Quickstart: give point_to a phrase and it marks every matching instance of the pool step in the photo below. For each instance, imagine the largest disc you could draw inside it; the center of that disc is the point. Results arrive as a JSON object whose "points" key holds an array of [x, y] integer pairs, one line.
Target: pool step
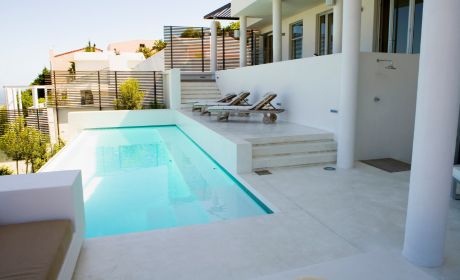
{"points": [[299, 150]]}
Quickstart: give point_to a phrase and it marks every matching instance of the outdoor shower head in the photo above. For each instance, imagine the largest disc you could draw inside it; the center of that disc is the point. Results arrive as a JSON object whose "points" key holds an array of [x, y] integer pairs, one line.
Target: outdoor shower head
{"points": [[391, 67]]}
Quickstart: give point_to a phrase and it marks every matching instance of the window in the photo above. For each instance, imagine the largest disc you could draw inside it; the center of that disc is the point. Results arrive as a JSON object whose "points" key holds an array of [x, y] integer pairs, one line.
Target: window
{"points": [[400, 26], [268, 47], [296, 40], [86, 97], [324, 31]]}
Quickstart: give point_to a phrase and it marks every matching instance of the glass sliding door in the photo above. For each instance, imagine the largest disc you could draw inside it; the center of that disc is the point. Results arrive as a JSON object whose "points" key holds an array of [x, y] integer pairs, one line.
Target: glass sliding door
{"points": [[417, 27], [324, 44], [268, 47], [400, 26]]}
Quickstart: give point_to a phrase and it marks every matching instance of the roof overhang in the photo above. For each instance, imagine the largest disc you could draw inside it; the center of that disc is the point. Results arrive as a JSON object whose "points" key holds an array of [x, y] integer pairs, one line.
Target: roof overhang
{"points": [[261, 10], [223, 13]]}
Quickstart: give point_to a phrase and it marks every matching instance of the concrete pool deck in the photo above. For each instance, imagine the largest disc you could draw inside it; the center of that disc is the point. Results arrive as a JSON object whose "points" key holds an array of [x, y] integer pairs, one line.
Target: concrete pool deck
{"points": [[252, 128], [330, 225]]}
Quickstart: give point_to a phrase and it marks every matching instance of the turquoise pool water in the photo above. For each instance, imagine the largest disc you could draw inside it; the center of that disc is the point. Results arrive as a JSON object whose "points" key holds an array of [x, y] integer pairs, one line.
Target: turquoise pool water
{"points": [[139, 179]]}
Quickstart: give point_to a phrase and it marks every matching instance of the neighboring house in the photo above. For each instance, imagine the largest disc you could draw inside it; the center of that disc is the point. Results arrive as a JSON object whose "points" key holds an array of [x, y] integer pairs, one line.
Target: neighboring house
{"points": [[129, 46], [95, 61], [61, 62]]}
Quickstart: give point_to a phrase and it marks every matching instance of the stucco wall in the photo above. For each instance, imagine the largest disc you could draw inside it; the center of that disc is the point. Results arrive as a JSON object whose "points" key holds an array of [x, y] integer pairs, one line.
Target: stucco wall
{"points": [[153, 63], [385, 128], [309, 88]]}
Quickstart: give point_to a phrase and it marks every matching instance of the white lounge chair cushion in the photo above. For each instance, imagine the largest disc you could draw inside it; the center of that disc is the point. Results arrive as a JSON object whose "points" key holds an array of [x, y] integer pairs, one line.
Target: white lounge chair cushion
{"points": [[211, 103], [233, 108]]}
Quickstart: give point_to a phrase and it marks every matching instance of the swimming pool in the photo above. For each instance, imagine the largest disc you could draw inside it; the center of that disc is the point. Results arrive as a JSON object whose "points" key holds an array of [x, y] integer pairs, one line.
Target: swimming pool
{"points": [[145, 178]]}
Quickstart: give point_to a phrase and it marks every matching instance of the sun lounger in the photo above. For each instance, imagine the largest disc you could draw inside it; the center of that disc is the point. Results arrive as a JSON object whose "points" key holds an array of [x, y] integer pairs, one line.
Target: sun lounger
{"points": [[197, 105], [264, 107], [240, 100]]}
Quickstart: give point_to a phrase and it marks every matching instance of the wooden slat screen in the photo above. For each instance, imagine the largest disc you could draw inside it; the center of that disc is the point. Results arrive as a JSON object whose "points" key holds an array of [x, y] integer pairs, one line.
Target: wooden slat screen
{"points": [[100, 89], [188, 48]]}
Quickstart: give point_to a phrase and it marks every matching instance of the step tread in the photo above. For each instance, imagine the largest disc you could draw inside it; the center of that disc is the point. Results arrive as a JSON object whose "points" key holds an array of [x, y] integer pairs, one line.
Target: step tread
{"points": [[291, 138], [294, 148], [296, 155], [294, 160]]}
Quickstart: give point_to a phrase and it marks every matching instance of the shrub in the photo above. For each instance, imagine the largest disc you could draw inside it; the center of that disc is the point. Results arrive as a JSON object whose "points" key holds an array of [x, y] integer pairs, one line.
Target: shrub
{"points": [[156, 105], [5, 170], [39, 162], [191, 33], [131, 97]]}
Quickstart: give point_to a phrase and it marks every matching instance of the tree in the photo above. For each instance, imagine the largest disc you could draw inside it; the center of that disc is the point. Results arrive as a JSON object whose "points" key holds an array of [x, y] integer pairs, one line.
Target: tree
{"points": [[71, 69], [90, 48], [233, 26], [36, 148], [26, 99], [131, 97], [14, 141], [3, 119], [42, 78], [146, 51], [157, 46]]}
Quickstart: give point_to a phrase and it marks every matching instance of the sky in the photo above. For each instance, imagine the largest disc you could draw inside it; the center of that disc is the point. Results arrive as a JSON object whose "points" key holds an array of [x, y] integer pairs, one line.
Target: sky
{"points": [[30, 28]]}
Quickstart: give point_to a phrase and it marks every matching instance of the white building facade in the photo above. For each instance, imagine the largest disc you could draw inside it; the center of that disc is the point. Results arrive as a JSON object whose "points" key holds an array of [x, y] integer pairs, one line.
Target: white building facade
{"points": [[369, 71]]}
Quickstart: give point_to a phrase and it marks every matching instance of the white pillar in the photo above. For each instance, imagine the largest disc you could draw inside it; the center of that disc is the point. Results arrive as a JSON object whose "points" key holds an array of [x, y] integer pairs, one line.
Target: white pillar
{"points": [[337, 28], [243, 41], [438, 101], [10, 99], [213, 46], [349, 83], [277, 31], [19, 98], [35, 97]]}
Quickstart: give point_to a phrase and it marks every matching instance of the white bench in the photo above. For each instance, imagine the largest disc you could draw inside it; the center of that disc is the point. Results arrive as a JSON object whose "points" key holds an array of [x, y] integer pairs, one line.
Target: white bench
{"points": [[44, 197], [456, 181]]}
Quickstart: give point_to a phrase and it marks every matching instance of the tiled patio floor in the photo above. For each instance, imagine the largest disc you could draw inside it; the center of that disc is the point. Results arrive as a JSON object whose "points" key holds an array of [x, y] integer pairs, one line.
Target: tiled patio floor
{"points": [[324, 217]]}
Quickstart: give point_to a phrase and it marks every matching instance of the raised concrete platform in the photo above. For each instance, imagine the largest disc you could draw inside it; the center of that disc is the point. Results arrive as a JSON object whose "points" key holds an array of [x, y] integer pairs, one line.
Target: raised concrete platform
{"points": [[274, 145]]}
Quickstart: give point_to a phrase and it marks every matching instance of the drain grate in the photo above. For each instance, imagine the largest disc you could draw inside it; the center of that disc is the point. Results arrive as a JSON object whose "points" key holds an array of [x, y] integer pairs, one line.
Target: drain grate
{"points": [[329, 168], [262, 172]]}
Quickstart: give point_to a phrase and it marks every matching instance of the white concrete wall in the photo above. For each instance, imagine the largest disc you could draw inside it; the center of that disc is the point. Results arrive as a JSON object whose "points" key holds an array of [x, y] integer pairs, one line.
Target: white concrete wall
{"points": [[172, 88], [234, 156], [46, 196], [122, 118], [309, 88], [95, 61], [153, 63], [385, 128], [309, 18]]}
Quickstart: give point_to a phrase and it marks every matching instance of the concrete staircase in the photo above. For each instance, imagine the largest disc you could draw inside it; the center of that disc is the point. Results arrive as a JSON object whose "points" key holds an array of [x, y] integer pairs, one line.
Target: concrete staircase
{"points": [[293, 150], [199, 90]]}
